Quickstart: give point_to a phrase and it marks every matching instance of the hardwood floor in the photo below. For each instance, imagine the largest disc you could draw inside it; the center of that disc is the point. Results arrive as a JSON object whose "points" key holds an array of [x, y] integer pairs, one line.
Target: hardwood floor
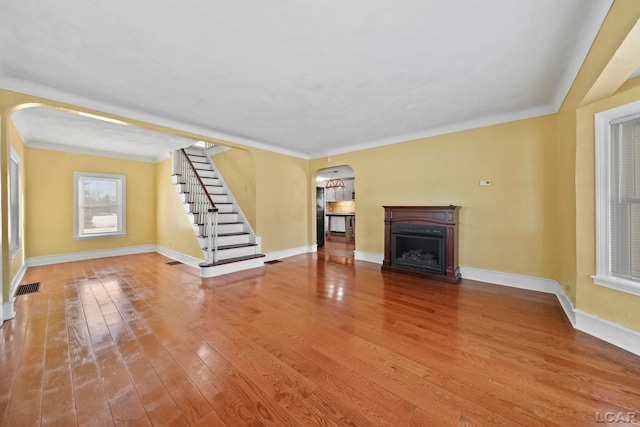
{"points": [[318, 339]]}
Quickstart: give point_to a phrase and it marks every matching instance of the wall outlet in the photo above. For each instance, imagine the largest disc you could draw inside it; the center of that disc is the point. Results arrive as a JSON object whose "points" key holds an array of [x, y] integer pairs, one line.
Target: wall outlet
{"points": [[485, 183]]}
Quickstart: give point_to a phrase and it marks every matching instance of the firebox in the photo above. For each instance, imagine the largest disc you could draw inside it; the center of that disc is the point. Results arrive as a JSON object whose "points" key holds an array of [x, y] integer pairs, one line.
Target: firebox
{"points": [[422, 241], [418, 247]]}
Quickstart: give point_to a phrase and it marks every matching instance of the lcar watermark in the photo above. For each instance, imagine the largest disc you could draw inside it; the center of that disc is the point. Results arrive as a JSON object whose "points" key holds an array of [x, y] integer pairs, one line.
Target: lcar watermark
{"points": [[618, 417]]}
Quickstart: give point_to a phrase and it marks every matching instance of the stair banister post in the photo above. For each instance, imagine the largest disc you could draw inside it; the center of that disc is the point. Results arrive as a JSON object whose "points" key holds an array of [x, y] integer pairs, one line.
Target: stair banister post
{"points": [[212, 235], [209, 231]]}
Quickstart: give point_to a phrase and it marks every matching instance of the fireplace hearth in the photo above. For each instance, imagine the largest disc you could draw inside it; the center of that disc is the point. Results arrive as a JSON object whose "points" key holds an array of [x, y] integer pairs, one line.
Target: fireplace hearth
{"points": [[422, 241]]}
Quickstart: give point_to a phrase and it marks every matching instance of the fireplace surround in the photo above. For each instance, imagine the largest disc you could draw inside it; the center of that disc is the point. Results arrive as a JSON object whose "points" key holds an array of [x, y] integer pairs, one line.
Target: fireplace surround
{"points": [[422, 241]]}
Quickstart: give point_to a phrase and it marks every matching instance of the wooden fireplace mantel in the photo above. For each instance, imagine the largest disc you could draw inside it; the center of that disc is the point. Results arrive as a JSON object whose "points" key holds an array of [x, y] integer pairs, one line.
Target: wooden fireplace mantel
{"points": [[444, 216]]}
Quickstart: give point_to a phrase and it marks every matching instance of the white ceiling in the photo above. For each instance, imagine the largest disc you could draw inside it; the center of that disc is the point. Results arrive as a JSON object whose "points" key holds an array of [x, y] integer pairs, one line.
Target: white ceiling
{"points": [[55, 129], [303, 78]]}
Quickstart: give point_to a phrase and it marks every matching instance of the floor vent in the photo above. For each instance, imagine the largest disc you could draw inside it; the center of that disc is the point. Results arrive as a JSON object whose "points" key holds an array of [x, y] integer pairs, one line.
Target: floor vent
{"points": [[29, 288], [275, 261], [174, 263]]}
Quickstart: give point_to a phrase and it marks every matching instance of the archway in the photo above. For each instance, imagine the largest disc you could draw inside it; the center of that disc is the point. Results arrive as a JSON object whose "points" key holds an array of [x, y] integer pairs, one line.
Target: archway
{"points": [[335, 210]]}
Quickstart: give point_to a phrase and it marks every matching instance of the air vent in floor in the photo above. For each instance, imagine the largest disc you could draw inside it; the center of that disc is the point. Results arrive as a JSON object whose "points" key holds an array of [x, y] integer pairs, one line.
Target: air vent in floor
{"points": [[174, 263], [275, 261], [29, 288]]}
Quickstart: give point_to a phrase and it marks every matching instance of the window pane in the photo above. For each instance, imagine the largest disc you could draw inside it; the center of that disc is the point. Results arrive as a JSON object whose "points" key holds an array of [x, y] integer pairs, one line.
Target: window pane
{"points": [[100, 204], [625, 200]]}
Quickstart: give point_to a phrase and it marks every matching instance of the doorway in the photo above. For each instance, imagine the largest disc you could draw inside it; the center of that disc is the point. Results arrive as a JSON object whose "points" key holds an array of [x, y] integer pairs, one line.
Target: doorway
{"points": [[336, 211]]}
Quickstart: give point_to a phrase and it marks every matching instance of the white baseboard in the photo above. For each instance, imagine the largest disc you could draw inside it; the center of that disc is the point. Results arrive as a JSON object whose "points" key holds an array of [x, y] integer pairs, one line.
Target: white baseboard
{"points": [[368, 256], [81, 256], [286, 253], [8, 311], [178, 256], [531, 283], [567, 305], [16, 280], [610, 332], [605, 330]]}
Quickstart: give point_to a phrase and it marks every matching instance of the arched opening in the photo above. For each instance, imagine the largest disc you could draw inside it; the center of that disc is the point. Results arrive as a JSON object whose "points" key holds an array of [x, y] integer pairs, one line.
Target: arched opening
{"points": [[336, 211]]}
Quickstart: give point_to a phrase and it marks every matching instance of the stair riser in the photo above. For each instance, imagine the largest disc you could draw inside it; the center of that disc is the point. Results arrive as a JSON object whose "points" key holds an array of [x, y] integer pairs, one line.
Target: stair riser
{"points": [[222, 217], [230, 228], [226, 240], [211, 181], [223, 199], [216, 190], [236, 252], [199, 230], [227, 217], [225, 209], [207, 173], [233, 240], [203, 240], [219, 198], [231, 268]]}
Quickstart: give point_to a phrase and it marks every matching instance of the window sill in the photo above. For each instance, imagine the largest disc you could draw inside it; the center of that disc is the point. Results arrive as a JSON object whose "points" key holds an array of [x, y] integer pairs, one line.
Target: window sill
{"points": [[99, 236], [618, 284]]}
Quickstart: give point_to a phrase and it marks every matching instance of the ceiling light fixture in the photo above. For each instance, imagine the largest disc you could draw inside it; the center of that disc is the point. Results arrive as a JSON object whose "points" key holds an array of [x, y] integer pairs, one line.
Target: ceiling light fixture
{"points": [[335, 183]]}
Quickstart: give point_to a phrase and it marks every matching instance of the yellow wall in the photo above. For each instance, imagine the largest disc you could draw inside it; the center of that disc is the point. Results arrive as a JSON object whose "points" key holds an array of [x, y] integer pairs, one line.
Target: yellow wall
{"points": [[174, 230], [565, 202], [282, 196], [49, 197], [238, 171], [506, 227], [600, 85], [618, 307]]}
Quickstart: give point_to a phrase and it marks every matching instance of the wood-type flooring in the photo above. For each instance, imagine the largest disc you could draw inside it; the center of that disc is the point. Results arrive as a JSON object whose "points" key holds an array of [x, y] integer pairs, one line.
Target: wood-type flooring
{"points": [[317, 339]]}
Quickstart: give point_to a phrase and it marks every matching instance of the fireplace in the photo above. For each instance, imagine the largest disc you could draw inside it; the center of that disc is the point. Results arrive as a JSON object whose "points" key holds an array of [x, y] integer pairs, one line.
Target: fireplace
{"points": [[422, 241], [419, 248]]}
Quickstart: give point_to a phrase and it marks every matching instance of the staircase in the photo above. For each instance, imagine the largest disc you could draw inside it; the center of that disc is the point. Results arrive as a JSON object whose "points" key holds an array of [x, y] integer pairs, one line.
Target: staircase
{"points": [[228, 243]]}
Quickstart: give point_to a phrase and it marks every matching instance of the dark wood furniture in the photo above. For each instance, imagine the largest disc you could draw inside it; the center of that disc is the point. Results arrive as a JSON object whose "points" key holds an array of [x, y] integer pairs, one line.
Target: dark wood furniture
{"points": [[421, 216]]}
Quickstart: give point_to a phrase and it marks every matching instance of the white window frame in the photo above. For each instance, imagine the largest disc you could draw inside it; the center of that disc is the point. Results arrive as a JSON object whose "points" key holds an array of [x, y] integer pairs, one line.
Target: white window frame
{"points": [[603, 122], [15, 211], [121, 182]]}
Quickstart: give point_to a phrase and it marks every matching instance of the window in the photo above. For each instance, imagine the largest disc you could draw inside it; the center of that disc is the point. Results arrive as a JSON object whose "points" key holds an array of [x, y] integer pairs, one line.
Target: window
{"points": [[99, 205], [15, 236], [618, 198]]}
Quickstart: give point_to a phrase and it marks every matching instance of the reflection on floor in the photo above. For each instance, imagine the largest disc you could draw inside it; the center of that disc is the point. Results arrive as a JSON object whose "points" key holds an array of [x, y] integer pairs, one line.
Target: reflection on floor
{"points": [[337, 246]]}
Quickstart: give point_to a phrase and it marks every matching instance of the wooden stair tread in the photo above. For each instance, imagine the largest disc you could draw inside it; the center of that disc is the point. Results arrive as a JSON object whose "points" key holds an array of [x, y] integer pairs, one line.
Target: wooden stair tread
{"points": [[231, 260]]}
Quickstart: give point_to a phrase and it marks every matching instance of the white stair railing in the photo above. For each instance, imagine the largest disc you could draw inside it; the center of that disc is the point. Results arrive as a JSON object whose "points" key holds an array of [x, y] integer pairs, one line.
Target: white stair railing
{"points": [[203, 208]]}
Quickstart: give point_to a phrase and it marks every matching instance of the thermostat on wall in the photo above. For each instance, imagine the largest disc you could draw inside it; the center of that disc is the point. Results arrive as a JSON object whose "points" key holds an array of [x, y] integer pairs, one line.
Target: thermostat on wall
{"points": [[485, 183]]}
